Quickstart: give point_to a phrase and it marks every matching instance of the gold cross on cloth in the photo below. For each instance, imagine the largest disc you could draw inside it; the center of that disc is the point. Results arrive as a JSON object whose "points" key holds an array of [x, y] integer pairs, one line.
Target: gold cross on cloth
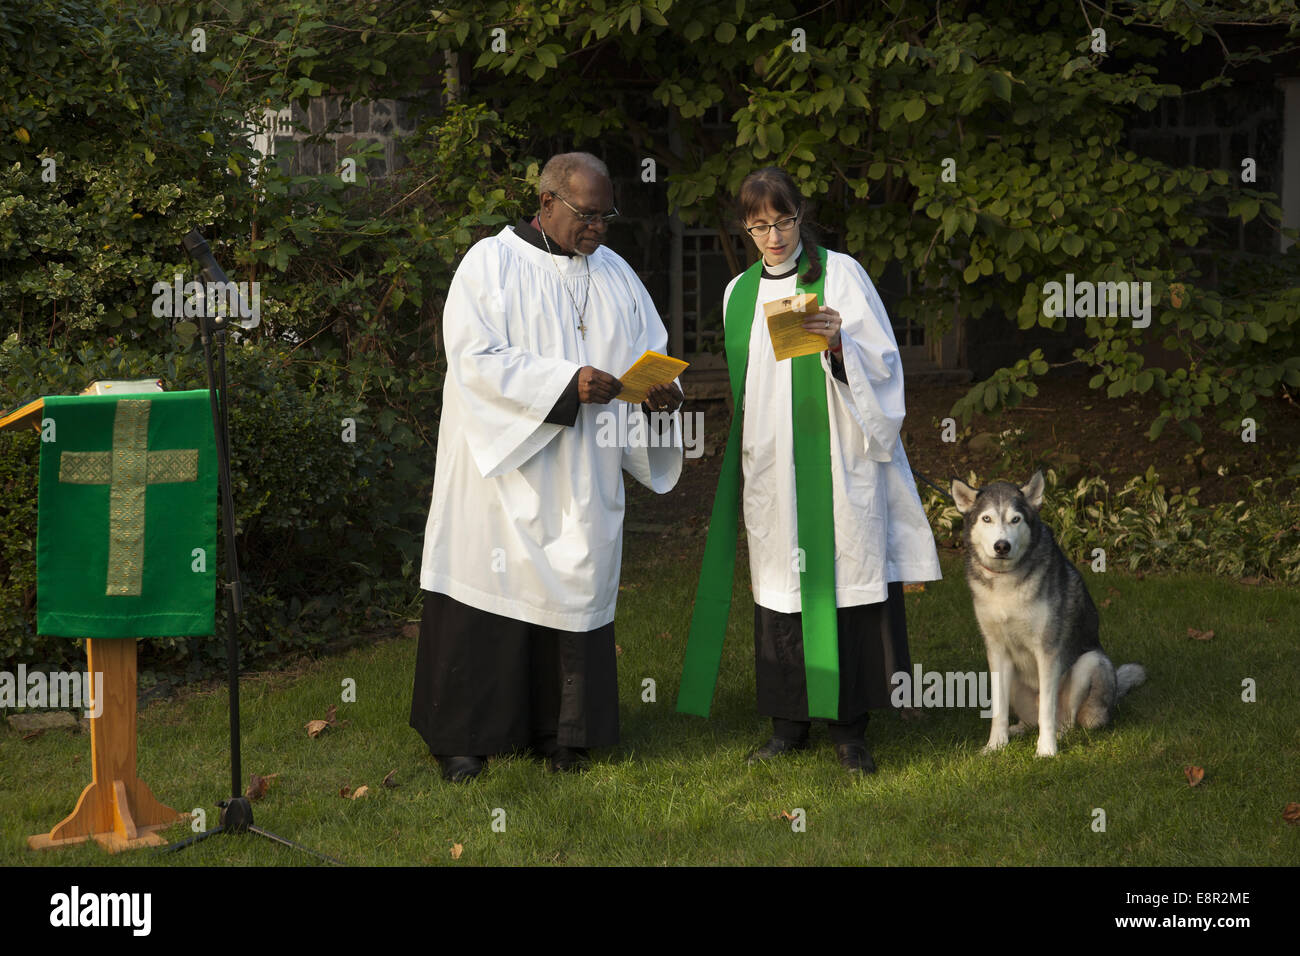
{"points": [[128, 470]]}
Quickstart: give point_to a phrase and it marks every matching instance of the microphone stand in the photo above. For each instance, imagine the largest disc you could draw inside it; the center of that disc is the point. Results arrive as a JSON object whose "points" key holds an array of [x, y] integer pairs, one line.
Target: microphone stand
{"points": [[237, 812]]}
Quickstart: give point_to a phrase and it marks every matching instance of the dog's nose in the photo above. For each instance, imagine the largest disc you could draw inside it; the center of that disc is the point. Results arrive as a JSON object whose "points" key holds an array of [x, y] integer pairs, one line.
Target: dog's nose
{"points": [[1002, 548]]}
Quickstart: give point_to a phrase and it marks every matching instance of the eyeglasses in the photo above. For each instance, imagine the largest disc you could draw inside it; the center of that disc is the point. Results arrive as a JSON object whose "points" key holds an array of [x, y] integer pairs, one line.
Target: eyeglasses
{"points": [[589, 219], [784, 225]]}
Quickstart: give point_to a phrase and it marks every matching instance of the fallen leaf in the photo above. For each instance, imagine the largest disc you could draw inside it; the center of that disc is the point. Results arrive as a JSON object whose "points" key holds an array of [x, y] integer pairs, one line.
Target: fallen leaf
{"points": [[618, 650], [456, 851], [1105, 603], [1199, 635], [1194, 775], [257, 785], [910, 588], [1176, 294], [664, 636], [34, 734], [389, 782], [360, 792], [345, 791], [314, 727], [1291, 812], [786, 816]]}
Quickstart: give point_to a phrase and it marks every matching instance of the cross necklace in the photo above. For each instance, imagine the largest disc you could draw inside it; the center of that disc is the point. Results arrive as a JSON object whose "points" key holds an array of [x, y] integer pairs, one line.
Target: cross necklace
{"points": [[586, 298]]}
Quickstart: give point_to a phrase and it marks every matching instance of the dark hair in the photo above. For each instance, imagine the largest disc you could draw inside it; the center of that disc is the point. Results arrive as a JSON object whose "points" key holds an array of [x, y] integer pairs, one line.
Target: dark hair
{"points": [[773, 186]]}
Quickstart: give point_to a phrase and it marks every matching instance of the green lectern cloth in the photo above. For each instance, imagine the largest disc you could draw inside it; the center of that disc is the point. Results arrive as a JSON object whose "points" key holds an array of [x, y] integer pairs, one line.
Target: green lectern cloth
{"points": [[127, 520]]}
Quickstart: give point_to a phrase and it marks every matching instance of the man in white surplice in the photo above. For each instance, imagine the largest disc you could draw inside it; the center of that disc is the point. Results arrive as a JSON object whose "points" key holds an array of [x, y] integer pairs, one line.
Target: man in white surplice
{"points": [[524, 539]]}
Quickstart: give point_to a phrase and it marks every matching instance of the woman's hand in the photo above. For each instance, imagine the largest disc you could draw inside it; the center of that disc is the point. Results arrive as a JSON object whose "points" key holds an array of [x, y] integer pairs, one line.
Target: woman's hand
{"points": [[826, 322]]}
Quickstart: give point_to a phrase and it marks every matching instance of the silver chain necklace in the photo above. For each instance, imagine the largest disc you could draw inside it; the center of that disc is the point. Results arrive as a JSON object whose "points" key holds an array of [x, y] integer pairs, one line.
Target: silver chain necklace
{"points": [[586, 298]]}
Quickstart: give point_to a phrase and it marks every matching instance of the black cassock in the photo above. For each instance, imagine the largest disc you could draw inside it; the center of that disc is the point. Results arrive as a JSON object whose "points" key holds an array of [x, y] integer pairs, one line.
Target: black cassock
{"points": [[872, 647], [487, 684]]}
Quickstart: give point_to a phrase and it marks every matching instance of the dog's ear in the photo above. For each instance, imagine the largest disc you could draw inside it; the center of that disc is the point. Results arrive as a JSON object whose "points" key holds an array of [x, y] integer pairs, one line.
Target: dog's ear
{"points": [[1033, 491], [963, 495]]}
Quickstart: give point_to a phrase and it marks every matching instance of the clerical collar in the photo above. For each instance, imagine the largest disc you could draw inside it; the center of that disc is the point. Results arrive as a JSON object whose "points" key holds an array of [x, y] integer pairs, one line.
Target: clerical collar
{"points": [[533, 236], [783, 270]]}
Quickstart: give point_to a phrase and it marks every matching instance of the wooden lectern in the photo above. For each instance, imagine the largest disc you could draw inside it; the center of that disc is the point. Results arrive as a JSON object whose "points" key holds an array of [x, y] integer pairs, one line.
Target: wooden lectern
{"points": [[117, 808]]}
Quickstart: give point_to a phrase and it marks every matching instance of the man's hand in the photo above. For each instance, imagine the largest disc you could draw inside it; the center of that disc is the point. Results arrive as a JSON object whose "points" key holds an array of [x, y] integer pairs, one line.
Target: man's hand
{"points": [[664, 398], [597, 387]]}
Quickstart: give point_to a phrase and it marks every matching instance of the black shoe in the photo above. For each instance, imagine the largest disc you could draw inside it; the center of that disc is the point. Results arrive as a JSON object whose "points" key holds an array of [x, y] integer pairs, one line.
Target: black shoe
{"points": [[775, 748], [567, 760], [855, 758], [460, 769]]}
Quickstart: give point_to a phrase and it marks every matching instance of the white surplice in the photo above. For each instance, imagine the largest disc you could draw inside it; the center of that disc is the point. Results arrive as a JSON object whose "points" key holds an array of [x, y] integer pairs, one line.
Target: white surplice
{"points": [[527, 517], [881, 531]]}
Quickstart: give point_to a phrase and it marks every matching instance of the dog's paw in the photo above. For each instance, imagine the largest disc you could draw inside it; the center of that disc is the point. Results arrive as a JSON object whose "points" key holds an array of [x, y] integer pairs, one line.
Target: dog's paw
{"points": [[1016, 730], [1046, 747], [995, 744]]}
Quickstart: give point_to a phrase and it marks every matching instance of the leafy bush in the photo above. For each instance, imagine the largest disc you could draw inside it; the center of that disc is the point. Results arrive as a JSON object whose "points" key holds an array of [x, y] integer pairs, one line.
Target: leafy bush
{"points": [[1144, 529]]}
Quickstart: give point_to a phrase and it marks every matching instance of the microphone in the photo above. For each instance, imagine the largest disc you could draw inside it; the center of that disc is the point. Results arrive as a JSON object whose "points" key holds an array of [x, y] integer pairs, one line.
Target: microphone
{"points": [[197, 248]]}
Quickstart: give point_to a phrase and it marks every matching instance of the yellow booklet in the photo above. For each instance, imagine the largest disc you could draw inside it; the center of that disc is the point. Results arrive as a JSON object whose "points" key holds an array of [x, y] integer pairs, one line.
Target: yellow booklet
{"points": [[650, 370], [785, 319]]}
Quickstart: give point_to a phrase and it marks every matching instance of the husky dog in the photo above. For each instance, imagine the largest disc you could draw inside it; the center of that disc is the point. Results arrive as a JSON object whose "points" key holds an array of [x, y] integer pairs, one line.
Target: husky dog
{"points": [[1038, 622]]}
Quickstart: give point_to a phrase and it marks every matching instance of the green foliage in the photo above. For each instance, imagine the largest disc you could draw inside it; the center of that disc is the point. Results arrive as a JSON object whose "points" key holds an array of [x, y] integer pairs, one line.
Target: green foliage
{"points": [[119, 111], [1143, 528], [979, 148], [351, 277], [149, 137]]}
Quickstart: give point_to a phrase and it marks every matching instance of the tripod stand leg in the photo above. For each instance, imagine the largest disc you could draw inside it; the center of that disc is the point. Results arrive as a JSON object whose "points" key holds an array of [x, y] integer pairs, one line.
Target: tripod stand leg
{"points": [[189, 841], [289, 843]]}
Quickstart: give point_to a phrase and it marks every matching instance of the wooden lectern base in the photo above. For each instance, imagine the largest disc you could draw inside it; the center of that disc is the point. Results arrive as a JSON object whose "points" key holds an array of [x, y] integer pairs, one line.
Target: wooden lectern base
{"points": [[117, 809]]}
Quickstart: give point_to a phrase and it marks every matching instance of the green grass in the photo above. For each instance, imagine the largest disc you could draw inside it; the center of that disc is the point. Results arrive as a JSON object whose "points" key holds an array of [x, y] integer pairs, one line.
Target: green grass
{"points": [[677, 790]]}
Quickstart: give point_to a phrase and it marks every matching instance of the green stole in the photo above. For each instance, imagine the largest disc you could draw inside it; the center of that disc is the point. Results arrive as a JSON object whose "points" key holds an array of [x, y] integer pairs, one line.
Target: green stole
{"points": [[814, 514]]}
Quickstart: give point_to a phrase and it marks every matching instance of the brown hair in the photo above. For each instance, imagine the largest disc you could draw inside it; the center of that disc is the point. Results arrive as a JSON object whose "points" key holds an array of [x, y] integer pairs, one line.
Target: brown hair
{"points": [[773, 186]]}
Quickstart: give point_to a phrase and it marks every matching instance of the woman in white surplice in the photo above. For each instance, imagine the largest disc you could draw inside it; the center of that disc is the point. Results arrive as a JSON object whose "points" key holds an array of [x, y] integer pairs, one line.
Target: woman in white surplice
{"points": [[882, 536]]}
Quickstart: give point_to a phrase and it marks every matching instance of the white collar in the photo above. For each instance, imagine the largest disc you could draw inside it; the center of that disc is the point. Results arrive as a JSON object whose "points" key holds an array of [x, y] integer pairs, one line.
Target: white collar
{"points": [[783, 267]]}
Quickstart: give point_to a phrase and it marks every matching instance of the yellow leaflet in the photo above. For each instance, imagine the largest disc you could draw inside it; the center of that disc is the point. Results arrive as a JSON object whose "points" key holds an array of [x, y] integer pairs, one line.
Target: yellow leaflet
{"points": [[785, 318], [650, 370]]}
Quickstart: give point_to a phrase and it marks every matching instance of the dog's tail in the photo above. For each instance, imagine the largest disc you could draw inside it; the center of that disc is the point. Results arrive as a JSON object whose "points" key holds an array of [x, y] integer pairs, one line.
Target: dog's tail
{"points": [[1127, 677]]}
